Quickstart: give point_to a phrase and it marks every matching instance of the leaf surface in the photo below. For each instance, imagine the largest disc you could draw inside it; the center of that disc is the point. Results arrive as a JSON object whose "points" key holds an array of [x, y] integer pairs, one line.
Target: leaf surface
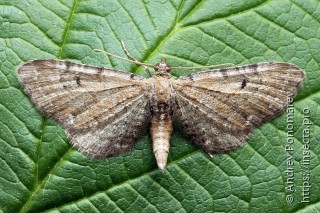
{"points": [[40, 171]]}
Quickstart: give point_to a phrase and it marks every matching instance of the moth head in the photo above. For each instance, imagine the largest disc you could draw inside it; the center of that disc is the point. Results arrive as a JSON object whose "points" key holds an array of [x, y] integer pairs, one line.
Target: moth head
{"points": [[162, 68]]}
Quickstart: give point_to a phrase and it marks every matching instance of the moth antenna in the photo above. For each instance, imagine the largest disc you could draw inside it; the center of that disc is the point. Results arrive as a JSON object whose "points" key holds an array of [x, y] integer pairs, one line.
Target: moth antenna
{"points": [[127, 52], [201, 67], [132, 58], [125, 59]]}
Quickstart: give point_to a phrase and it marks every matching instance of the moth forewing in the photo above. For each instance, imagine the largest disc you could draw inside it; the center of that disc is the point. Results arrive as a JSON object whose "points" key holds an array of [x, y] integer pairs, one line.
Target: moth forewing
{"points": [[102, 110], [219, 109]]}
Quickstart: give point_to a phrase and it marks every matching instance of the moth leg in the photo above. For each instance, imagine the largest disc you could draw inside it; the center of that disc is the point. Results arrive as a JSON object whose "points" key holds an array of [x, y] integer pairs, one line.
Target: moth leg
{"points": [[148, 71], [132, 58]]}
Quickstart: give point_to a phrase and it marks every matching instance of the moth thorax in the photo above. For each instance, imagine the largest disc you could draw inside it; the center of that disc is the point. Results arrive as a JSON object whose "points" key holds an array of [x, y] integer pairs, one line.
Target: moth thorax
{"points": [[161, 109]]}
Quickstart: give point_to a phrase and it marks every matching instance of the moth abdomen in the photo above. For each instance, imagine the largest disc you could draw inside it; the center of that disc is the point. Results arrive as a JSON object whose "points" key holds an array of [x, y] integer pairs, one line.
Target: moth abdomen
{"points": [[161, 130], [161, 124]]}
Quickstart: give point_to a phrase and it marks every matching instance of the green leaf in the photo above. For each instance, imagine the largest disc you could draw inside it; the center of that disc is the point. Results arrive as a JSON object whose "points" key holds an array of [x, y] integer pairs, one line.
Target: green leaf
{"points": [[40, 171]]}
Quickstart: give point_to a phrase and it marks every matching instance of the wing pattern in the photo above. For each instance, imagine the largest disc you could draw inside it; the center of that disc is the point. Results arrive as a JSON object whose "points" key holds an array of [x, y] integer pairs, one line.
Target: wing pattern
{"points": [[219, 109], [102, 110]]}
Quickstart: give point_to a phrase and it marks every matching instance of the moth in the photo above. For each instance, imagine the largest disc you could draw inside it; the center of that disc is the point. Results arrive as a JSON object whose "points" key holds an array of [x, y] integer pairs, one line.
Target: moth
{"points": [[105, 110]]}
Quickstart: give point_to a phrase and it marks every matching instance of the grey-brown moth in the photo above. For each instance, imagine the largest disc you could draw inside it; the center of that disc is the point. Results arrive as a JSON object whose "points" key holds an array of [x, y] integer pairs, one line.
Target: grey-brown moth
{"points": [[105, 110]]}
